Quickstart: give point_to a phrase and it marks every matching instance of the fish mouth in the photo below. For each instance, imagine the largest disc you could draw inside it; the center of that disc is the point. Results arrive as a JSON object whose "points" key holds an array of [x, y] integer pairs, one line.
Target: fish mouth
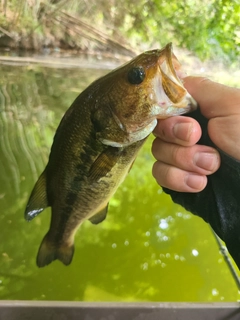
{"points": [[173, 62], [172, 75]]}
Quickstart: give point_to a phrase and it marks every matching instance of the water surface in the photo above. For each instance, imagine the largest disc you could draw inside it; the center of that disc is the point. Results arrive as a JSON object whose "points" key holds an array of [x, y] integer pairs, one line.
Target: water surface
{"points": [[148, 249]]}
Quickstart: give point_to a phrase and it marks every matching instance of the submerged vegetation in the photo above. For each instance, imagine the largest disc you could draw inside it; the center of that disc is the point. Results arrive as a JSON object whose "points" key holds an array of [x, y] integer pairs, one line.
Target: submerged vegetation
{"points": [[209, 28]]}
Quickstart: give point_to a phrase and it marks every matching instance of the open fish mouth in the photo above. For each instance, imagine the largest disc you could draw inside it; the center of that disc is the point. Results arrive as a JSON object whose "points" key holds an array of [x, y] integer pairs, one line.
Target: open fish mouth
{"points": [[172, 73], [172, 63]]}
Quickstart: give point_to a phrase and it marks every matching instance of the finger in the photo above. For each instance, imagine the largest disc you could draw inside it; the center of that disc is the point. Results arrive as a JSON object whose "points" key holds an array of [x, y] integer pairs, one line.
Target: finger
{"points": [[178, 180], [215, 99], [184, 131], [199, 159]]}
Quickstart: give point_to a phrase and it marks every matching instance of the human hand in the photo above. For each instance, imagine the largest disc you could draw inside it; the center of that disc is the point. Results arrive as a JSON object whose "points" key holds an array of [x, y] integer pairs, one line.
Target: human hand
{"points": [[182, 165]]}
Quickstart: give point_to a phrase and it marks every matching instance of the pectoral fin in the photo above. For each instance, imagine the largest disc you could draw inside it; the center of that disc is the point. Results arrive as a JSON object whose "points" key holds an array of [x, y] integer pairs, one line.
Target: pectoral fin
{"points": [[100, 216], [104, 163], [38, 199]]}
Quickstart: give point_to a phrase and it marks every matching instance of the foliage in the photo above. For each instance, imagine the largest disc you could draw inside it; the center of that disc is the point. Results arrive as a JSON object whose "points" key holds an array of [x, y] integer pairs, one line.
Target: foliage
{"points": [[209, 28]]}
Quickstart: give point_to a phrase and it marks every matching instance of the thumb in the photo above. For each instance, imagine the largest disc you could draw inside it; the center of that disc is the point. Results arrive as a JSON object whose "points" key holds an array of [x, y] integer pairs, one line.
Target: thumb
{"points": [[215, 99], [221, 105]]}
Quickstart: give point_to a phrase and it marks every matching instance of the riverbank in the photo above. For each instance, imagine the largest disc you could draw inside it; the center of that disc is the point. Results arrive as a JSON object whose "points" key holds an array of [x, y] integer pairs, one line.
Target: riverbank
{"points": [[123, 27], [43, 33], [54, 31]]}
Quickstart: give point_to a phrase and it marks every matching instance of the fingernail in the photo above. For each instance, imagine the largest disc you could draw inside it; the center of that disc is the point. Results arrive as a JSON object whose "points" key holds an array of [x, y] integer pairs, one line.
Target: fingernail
{"points": [[195, 181], [182, 131], [206, 160]]}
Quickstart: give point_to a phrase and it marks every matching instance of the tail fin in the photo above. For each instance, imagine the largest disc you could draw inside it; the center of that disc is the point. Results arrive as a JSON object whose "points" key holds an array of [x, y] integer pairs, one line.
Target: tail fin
{"points": [[50, 251], [38, 199]]}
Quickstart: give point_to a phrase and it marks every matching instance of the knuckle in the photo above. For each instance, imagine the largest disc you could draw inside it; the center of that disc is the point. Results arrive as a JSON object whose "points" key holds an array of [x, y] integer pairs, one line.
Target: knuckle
{"points": [[155, 147], [176, 154], [154, 169], [168, 177]]}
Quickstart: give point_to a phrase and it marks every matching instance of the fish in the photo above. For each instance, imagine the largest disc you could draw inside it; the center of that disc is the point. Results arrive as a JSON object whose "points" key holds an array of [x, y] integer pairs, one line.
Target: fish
{"points": [[97, 141]]}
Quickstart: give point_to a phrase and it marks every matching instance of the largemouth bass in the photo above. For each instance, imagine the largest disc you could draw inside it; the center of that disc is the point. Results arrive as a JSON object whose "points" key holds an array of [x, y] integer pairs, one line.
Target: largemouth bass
{"points": [[97, 142]]}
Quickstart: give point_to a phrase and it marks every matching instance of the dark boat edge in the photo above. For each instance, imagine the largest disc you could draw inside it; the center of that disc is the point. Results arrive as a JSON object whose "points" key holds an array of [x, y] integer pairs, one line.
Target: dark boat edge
{"points": [[38, 310]]}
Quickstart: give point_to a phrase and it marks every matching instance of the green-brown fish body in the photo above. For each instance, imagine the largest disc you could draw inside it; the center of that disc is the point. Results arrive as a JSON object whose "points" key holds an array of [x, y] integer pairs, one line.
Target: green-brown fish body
{"points": [[97, 141]]}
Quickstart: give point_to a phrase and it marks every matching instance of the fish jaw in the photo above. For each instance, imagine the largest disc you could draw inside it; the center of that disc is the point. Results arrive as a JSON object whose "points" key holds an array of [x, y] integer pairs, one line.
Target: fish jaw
{"points": [[171, 96], [165, 107], [132, 137]]}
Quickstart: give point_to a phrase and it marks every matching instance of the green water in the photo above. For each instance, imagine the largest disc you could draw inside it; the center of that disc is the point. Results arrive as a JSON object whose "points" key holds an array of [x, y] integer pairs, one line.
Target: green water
{"points": [[148, 249]]}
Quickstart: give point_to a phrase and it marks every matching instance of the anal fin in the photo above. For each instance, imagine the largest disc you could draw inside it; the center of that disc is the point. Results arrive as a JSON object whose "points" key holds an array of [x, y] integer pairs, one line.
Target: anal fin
{"points": [[38, 199], [100, 216]]}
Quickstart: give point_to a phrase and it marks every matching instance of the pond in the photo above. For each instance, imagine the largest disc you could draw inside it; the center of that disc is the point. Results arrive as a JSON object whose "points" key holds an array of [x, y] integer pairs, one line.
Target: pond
{"points": [[147, 249]]}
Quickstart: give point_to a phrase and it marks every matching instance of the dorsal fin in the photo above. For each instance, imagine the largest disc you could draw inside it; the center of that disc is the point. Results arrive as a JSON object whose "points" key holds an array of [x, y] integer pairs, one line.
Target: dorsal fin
{"points": [[38, 198], [100, 216]]}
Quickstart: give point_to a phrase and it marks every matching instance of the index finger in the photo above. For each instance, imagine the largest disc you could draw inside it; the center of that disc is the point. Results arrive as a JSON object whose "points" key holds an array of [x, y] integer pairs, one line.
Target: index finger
{"points": [[215, 99], [180, 130]]}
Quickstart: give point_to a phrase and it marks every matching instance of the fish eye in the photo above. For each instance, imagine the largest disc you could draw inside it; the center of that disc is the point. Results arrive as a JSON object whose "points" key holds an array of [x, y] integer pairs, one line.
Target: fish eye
{"points": [[136, 75]]}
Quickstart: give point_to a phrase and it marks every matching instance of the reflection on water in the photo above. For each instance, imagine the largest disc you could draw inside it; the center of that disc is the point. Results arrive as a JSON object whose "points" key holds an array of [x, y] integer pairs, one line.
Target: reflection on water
{"points": [[147, 249]]}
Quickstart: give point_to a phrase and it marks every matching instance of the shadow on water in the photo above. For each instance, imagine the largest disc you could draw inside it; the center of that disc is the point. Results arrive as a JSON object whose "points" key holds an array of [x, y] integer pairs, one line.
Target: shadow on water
{"points": [[147, 249]]}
